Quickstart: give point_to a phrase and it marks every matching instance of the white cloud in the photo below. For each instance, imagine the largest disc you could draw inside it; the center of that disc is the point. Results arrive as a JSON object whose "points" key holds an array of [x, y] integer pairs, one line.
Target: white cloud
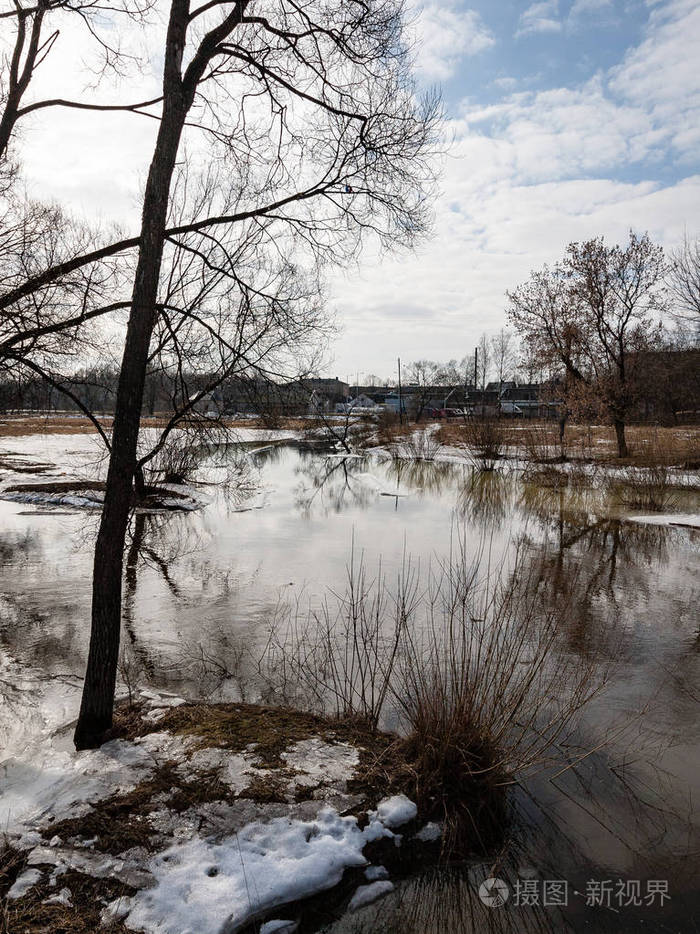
{"points": [[527, 176], [540, 17], [662, 76], [447, 33], [581, 8]]}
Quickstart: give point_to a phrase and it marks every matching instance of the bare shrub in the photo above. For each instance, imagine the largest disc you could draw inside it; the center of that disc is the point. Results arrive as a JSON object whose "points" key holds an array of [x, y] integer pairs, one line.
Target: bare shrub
{"points": [[464, 660], [541, 444], [648, 488], [422, 445], [546, 476], [485, 440], [388, 428], [341, 659]]}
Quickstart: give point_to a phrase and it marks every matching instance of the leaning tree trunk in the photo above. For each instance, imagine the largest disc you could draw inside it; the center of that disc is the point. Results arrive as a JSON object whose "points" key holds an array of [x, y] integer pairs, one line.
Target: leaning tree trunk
{"points": [[622, 450], [96, 708]]}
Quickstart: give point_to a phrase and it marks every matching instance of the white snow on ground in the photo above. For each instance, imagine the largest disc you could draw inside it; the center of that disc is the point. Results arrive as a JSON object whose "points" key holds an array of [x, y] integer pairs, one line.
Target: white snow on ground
{"points": [[206, 887], [429, 833], [375, 873], [251, 858], [24, 883], [91, 499], [395, 811], [321, 763], [678, 518], [279, 927], [51, 782], [366, 894]]}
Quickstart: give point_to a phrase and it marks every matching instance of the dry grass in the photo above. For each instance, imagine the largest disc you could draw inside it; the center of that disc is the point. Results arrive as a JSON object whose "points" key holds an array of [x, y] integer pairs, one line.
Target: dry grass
{"points": [[12, 426], [464, 658], [538, 441]]}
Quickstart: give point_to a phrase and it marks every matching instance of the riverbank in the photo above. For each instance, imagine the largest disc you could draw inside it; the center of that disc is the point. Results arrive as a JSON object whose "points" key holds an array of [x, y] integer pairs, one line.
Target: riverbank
{"points": [[206, 817]]}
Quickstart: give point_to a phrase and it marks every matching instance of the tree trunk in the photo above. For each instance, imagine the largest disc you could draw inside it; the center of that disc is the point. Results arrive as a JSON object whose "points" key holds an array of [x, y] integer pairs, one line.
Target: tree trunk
{"points": [[620, 434], [96, 708]]}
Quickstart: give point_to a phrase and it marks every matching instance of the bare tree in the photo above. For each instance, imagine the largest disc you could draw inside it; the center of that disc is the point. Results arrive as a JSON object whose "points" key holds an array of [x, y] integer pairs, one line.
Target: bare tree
{"points": [[313, 114], [36, 26], [684, 282], [593, 316], [503, 350], [483, 361]]}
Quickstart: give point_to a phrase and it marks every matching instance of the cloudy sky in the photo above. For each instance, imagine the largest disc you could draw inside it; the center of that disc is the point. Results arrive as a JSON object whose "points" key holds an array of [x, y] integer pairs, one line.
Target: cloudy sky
{"points": [[569, 119]]}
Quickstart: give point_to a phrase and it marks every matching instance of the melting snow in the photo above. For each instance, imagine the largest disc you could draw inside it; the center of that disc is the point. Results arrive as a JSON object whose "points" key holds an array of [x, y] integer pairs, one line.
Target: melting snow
{"points": [[686, 519], [205, 887], [429, 833], [24, 883], [395, 811], [366, 894], [375, 873]]}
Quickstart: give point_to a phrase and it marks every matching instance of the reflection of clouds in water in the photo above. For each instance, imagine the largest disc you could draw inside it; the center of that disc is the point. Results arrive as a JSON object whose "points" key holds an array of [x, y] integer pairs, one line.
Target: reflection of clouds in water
{"points": [[202, 590]]}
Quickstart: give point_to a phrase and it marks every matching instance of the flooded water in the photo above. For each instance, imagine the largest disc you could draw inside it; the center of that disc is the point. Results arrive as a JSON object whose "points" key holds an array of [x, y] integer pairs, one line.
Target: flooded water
{"points": [[203, 589]]}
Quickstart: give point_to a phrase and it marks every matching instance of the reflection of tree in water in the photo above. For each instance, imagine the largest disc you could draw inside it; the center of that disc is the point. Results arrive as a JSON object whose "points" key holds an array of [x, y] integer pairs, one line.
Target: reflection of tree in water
{"points": [[486, 497], [329, 484], [48, 636], [588, 563], [424, 476], [231, 469]]}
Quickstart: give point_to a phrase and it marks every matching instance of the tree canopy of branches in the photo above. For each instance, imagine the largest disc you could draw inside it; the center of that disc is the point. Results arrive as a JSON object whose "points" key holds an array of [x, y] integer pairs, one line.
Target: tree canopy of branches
{"points": [[684, 282], [286, 133], [592, 316]]}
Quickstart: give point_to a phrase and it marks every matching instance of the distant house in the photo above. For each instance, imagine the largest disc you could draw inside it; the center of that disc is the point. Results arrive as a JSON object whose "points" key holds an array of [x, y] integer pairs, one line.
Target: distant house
{"points": [[359, 403], [394, 403]]}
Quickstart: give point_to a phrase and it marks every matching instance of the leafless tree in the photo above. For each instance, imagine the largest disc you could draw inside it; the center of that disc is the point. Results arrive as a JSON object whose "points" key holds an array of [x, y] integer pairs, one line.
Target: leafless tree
{"points": [[483, 361], [35, 26], [503, 350], [684, 282], [309, 114], [593, 316]]}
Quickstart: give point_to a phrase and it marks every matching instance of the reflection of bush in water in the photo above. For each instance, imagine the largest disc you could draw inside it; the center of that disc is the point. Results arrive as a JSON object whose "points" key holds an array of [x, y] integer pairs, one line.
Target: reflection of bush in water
{"points": [[650, 489], [446, 901], [422, 475], [485, 496]]}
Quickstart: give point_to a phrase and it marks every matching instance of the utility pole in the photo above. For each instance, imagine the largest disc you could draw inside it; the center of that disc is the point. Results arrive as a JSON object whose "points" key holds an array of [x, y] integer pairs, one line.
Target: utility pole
{"points": [[400, 403], [476, 375]]}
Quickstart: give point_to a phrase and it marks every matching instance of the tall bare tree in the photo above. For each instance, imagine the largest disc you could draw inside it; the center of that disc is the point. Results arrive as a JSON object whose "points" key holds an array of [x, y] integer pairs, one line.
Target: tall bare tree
{"points": [[312, 112], [592, 316]]}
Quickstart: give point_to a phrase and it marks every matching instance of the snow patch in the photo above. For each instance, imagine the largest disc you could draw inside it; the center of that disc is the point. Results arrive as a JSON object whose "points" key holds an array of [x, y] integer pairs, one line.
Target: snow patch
{"points": [[322, 763], [375, 873], [395, 811], [429, 833], [24, 883], [691, 520], [64, 784], [366, 894], [279, 927], [205, 887], [64, 897]]}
